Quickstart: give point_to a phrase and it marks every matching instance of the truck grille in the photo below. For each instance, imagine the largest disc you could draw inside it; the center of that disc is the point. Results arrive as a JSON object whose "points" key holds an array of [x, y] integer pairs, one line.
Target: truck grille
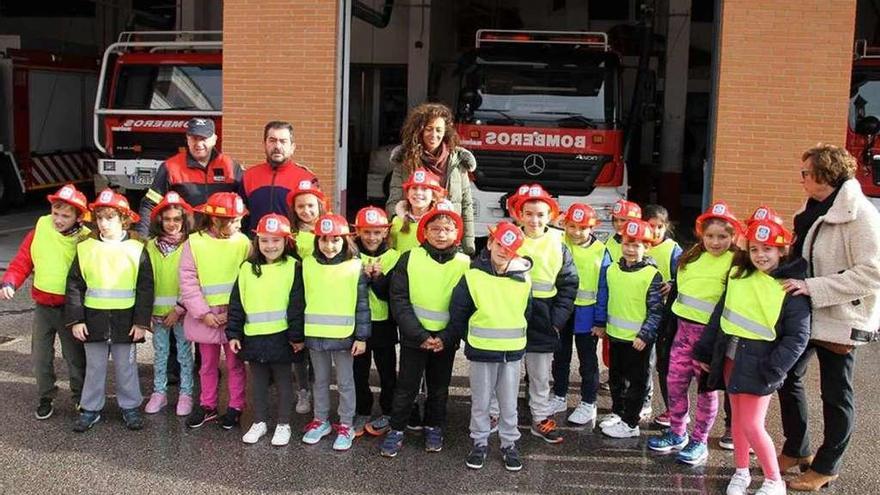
{"points": [[561, 175], [155, 145]]}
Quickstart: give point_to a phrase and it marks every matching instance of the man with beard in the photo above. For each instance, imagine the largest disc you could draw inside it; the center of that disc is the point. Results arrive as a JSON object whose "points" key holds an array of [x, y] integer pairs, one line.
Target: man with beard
{"points": [[265, 186]]}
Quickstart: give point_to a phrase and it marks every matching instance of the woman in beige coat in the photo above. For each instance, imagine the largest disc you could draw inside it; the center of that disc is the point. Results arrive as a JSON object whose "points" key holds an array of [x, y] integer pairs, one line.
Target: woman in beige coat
{"points": [[838, 234]]}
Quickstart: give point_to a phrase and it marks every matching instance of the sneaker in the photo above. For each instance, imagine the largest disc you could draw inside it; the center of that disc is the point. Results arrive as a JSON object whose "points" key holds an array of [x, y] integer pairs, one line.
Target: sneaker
{"points": [[133, 419], [378, 426], [315, 431], [510, 456], [44, 409], [726, 440], [739, 483], [433, 439], [493, 424], [667, 442], [646, 412], [344, 437], [558, 404], [360, 425], [231, 418], [156, 403], [477, 457], [621, 430], [200, 416], [281, 436], [392, 443], [695, 453], [663, 420], [547, 430], [415, 423], [304, 401], [86, 421], [584, 413], [771, 487], [608, 420], [255, 433], [184, 405]]}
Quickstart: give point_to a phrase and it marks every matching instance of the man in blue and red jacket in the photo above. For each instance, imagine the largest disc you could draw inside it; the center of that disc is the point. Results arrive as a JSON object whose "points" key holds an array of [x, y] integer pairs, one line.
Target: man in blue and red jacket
{"points": [[265, 186]]}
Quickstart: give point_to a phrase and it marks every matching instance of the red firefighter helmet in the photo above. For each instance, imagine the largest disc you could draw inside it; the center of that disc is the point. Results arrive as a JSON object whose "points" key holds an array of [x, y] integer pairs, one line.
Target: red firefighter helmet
{"points": [[306, 186], [511, 203], [111, 199], [508, 235], [768, 232], [639, 230], [331, 224], [582, 215], [626, 209], [720, 211], [71, 195], [442, 208], [763, 212], [536, 192], [371, 217], [170, 199], [274, 225], [424, 178], [223, 205]]}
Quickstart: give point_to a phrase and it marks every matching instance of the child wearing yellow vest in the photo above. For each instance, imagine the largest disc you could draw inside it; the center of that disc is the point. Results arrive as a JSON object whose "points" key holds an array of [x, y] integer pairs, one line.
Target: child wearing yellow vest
{"points": [[47, 251], [169, 226], [622, 212], [635, 308], [261, 312], [333, 322], [754, 337], [554, 288], [490, 309], [307, 203], [702, 276], [209, 264], [421, 288], [422, 191], [109, 305], [590, 310], [371, 225]]}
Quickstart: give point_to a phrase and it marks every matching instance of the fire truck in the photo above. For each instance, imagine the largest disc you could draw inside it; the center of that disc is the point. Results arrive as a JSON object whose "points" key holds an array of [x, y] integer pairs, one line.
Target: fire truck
{"points": [[47, 102], [542, 107], [151, 83], [863, 124]]}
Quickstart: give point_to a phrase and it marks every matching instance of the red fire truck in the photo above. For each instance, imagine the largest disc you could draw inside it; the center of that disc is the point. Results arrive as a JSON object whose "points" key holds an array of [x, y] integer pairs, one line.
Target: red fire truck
{"points": [[151, 83], [47, 102], [864, 126], [542, 106]]}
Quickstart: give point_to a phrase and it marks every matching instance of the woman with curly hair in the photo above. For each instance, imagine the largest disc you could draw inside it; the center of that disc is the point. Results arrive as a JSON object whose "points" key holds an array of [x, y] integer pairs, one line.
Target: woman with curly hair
{"points": [[429, 140]]}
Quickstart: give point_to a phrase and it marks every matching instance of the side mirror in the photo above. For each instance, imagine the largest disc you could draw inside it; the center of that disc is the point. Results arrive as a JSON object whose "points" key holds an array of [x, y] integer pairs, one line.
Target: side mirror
{"points": [[867, 126]]}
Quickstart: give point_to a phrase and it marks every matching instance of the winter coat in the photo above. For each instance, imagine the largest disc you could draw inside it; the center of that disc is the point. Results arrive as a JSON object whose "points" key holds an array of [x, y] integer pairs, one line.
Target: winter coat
{"points": [[362, 316], [457, 184], [759, 366], [111, 325], [842, 249], [549, 315], [265, 188], [462, 307], [653, 301]]}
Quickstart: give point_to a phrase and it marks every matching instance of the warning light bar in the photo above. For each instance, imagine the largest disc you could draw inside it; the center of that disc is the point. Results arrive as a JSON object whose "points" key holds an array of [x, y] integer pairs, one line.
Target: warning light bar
{"points": [[592, 39], [862, 50]]}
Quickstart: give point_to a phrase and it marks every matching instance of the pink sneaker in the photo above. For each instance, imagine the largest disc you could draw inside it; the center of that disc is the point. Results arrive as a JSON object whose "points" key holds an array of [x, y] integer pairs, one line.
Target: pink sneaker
{"points": [[156, 403], [184, 405]]}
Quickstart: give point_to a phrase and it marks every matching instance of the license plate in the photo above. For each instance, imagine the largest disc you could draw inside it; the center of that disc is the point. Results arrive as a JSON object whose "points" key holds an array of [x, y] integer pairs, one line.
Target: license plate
{"points": [[142, 179]]}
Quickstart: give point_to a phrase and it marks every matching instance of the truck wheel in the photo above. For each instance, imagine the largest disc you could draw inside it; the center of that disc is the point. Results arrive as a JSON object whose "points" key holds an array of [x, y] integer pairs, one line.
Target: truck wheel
{"points": [[10, 190]]}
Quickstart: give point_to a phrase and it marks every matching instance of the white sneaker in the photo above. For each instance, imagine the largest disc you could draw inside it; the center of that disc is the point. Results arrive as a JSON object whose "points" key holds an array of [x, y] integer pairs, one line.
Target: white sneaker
{"points": [[558, 404], [646, 412], [771, 487], [584, 413], [256, 432], [739, 484], [621, 430], [304, 401], [608, 420], [281, 436]]}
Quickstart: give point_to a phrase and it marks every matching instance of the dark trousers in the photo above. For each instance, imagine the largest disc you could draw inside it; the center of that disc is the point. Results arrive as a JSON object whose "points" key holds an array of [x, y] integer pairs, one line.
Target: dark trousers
{"points": [[386, 364], [628, 378], [437, 368], [664, 350], [48, 322], [589, 363], [838, 408], [261, 376]]}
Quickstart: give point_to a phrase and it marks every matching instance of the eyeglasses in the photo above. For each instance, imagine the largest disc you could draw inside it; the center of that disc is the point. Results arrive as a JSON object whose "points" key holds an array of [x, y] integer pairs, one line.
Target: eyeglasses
{"points": [[444, 230]]}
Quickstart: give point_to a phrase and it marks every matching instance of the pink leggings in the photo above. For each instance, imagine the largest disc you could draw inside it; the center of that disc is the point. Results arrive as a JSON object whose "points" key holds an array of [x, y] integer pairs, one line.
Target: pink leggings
{"points": [[209, 374], [749, 413]]}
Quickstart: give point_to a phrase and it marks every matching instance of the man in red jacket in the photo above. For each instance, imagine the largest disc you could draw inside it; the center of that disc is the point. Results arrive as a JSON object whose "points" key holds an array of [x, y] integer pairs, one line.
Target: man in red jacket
{"points": [[47, 252]]}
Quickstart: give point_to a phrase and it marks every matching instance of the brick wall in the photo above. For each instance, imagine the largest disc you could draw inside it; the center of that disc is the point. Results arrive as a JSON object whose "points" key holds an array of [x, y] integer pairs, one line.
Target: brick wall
{"points": [[783, 86], [279, 63]]}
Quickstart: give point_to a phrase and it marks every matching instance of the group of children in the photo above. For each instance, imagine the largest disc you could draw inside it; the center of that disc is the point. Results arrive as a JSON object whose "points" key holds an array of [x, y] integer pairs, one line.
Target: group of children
{"points": [[308, 289]]}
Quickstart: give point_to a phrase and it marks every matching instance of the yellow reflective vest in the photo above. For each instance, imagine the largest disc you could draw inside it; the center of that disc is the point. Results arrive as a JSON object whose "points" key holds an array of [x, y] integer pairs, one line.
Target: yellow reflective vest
{"points": [[700, 285], [499, 322], [662, 254], [752, 306], [628, 300], [388, 259], [265, 299], [217, 262], [615, 250], [110, 271], [331, 297], [52, 254], [403, 241], [588, 261], [305, 243], [546, 255], [166, 278], [431, 284]]}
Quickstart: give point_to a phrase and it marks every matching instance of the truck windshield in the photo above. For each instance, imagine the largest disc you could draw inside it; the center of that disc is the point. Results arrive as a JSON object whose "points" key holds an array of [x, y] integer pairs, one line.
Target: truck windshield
{"points": [[169, 87]]}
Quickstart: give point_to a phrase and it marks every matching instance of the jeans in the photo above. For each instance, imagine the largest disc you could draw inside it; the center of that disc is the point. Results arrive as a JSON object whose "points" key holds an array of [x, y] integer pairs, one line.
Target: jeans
{"points": [[437, 369], [322, 363], [162, 352], [589, 364]]}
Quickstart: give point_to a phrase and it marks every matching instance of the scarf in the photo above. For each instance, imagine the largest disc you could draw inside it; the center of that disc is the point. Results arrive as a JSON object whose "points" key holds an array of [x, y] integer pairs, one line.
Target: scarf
{"points": [[167, 243], [436, 164]]}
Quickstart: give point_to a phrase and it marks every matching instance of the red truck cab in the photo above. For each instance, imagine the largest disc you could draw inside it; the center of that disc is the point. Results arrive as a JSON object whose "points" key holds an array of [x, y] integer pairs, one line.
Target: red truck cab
{"points": [[863, 126]]}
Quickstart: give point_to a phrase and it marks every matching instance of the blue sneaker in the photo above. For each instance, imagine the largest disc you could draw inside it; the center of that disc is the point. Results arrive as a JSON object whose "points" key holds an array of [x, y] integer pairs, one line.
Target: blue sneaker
{"points": [[694, 453], [667, 442], [344, 437], [315, 431], [433, 439], [392, 443], [86, 420]]}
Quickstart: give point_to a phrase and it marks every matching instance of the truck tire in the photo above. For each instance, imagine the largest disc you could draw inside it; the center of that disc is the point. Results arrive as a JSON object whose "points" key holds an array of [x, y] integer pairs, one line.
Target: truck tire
{"points": [[10, 189]]}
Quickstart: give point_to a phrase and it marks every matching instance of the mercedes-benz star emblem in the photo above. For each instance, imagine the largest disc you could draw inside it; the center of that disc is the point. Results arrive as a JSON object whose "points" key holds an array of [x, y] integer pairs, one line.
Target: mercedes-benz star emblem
{"points": [[534, 164]]}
